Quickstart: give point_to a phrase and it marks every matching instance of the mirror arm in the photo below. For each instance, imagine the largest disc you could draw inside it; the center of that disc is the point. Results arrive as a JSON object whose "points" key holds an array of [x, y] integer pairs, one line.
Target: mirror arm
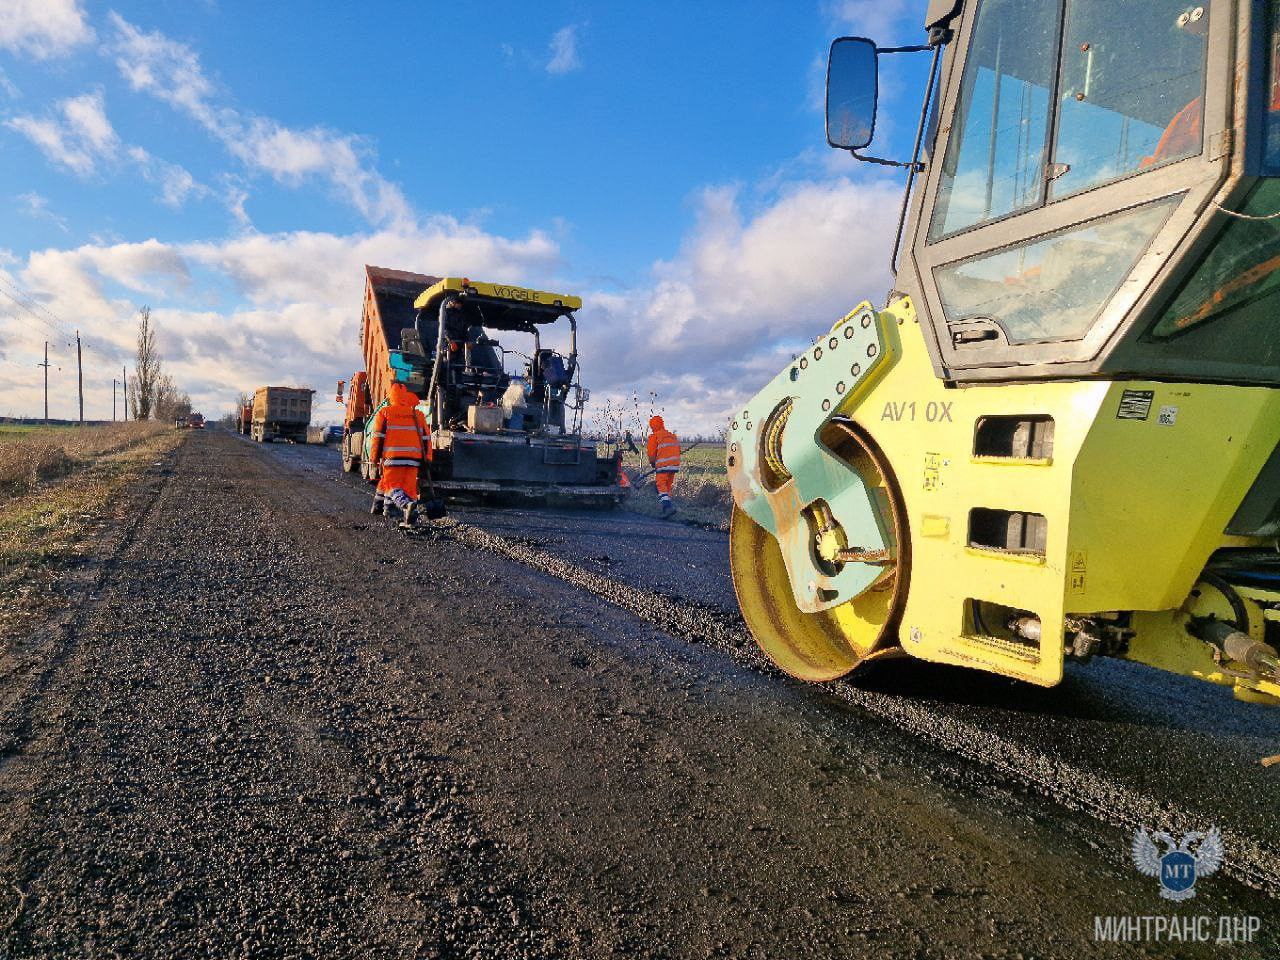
{"points": [[915, 166], [918, 48], [884, 163]]}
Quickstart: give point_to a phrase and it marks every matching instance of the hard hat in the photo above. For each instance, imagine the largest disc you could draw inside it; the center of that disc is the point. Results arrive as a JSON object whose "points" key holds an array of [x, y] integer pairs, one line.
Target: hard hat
{"points": [[655, 423]]}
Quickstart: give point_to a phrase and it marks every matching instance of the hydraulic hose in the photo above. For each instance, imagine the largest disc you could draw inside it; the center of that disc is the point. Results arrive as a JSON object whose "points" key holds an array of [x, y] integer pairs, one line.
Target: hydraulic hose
{"points": [[1240, 647], [435, 367]]}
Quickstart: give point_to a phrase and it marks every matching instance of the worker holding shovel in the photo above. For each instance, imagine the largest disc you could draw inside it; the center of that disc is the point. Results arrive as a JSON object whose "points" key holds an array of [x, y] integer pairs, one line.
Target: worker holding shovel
{"points": [[664, 457]]}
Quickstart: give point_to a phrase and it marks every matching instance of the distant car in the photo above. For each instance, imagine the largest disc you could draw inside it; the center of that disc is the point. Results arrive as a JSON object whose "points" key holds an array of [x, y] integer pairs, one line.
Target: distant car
{"points": [[196, 421], [331, 435]]}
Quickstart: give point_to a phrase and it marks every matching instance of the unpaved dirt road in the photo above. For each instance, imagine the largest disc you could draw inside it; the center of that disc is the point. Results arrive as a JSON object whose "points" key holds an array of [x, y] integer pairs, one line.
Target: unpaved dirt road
{"points": [[273, 726]]}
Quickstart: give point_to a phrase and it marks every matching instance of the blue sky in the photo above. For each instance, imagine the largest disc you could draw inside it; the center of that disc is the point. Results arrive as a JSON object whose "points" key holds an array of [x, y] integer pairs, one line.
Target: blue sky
{"points": [[234, 164]]}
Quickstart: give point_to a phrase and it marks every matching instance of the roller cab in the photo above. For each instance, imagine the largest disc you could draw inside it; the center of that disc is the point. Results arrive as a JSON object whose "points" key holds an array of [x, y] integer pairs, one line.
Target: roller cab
{"points": [[1059, 438]]}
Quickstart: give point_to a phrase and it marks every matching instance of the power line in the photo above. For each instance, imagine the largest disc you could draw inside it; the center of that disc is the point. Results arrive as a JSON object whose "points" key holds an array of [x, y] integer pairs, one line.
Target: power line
{"points": [[29, 298], [45, 316], [31, 305], [65, 338], [52, 328]]}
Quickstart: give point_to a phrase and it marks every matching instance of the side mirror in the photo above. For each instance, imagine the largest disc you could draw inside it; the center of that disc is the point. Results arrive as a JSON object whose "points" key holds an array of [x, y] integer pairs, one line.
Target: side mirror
{"points": [[852, 91], [341, 385]]}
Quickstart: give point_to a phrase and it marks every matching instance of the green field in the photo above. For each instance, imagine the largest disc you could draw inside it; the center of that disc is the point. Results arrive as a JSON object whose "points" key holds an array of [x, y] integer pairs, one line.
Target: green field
{"points": [[21, 428]]}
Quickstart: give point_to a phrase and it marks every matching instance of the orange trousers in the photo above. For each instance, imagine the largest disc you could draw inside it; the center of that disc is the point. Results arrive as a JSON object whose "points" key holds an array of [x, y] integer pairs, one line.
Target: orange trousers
{"points": [[663, 482], [403, 478]]}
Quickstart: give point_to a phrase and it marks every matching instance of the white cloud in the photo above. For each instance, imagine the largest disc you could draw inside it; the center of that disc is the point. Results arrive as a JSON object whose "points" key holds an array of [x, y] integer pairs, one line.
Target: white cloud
{"points": [[87, 120], [745, 292], [48, 136], [563, 50], [83, 138], [234, 197], [8, 87], [171, 71], [43, 28], [176, 183], [241, 312], [880, 20], [37, 207]]}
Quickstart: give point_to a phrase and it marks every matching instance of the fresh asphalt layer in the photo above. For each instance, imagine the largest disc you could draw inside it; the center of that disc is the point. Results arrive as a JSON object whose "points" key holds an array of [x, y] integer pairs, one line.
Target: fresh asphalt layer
{"points": [[274, 726], [1187, 750]]}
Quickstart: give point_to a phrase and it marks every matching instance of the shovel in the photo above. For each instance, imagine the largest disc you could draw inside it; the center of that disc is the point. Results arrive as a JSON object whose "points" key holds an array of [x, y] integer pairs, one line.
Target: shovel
{"points": [[433, 508]]}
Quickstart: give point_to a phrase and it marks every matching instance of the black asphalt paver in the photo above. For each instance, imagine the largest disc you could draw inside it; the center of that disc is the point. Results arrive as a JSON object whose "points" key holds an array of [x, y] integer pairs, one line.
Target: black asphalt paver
{"points": [[277, 727]]}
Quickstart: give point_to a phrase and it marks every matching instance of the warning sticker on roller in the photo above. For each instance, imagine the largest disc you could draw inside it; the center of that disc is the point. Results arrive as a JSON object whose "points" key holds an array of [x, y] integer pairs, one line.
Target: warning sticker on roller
{"points": [[1135, 404]]}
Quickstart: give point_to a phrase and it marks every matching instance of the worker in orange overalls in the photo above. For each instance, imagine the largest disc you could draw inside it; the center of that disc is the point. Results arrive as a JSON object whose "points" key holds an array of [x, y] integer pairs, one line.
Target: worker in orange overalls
{"points": [[401, 442], [664, 457]]}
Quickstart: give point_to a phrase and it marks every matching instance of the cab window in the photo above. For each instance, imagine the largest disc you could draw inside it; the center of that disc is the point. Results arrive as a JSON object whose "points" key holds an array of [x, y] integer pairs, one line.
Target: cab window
{"points": [[1227, 308], [1126, 82], [1130, 90], [994, 166], [1055, 287]]}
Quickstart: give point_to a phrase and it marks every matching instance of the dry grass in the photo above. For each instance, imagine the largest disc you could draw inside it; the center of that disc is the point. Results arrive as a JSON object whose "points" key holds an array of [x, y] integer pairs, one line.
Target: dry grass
{"points": [[61, 490], [29, 455]]}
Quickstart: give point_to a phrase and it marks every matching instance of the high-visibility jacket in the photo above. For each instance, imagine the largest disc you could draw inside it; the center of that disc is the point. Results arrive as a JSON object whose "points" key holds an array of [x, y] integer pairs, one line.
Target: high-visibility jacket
{"points": [[401, 437], [664, 451]]}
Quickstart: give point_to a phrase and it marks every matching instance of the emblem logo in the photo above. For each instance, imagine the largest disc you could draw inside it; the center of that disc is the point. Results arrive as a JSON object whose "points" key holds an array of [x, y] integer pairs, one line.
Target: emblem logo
{"points": [[1179, 866]]}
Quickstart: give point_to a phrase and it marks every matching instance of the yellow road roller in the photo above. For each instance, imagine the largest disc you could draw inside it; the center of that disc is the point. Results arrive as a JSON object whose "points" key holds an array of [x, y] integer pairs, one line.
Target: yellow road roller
{"points": [[1060, 436]]}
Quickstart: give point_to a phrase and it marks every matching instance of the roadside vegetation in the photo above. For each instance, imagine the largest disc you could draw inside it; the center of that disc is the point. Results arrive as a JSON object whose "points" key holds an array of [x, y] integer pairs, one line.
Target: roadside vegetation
{"points": [[60, 487], [701, 490]]}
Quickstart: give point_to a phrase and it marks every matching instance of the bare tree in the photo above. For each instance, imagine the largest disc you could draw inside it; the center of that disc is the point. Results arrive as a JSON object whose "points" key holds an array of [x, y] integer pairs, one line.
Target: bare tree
{"points": [[146, 369], [232, 417], [170, 402]]}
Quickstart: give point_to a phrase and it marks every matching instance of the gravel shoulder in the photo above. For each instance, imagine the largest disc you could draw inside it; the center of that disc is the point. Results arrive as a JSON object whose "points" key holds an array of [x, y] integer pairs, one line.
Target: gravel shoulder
{"points": [[281, 728]]}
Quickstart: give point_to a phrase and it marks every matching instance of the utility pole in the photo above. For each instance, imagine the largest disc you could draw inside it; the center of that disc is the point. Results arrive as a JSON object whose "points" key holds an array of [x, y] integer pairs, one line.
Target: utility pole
{"points": [[114, 382], [124, 392], [80, 378], [46, 382]]}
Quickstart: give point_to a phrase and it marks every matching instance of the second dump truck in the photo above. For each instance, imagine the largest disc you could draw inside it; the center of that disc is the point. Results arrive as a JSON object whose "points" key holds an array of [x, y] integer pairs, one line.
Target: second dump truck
{"points": [[281, 413], [504, 423]]}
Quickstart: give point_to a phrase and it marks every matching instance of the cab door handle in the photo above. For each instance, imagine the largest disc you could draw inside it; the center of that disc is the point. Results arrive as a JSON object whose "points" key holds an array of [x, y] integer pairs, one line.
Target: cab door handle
{"points": [[967, 333]]}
